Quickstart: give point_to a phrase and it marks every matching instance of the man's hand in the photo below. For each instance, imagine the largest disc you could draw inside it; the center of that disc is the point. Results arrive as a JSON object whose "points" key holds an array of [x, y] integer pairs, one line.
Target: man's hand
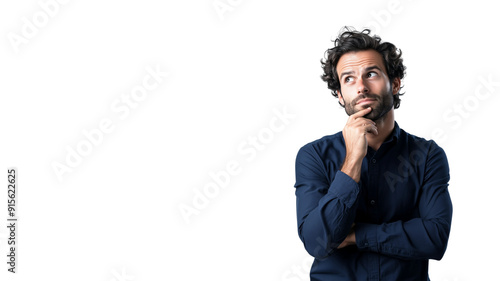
{"points": [[349, 240], [356, 144]]}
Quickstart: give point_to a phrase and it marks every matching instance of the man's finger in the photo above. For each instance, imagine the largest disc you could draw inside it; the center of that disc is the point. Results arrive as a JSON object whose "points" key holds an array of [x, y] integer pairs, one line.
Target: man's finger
{"points": [[361, 113], [372, 128]]}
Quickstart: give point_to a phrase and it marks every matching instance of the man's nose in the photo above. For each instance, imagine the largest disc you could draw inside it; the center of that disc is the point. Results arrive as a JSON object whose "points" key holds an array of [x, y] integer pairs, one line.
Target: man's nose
{"points": [[361, 86]]}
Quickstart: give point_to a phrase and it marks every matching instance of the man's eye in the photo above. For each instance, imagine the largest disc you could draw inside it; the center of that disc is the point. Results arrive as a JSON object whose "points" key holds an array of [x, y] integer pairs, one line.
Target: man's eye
{"points": [[348, 79], [372, 74]]}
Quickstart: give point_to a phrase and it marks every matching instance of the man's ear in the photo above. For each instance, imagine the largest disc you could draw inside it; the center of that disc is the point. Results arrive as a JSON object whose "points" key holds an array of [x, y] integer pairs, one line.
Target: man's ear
{"points": [[396, 85]]}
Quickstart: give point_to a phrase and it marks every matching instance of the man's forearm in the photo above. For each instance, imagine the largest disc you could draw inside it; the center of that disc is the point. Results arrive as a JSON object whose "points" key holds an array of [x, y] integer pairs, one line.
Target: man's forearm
{"points": [[349, 240], [414, 239], [352, 168]]}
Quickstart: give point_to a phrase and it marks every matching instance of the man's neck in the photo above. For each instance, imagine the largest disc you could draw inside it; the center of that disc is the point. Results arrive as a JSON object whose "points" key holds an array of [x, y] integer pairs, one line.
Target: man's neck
{"points": [[385, 125]]}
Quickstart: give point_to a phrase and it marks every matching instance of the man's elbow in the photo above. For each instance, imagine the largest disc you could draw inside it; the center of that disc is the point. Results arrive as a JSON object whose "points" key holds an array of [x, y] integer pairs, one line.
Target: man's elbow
{"points": [[438, 252], [440, 242], [320, 247]]}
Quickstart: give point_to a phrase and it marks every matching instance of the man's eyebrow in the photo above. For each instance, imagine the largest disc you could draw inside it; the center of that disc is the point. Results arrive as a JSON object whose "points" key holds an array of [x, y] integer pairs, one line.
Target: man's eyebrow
{"points": [[345, 73], [373, 67]]}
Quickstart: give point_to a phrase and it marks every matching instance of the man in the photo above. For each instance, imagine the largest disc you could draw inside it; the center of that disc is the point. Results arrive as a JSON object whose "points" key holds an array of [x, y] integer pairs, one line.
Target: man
{"points": [[372, 200]]}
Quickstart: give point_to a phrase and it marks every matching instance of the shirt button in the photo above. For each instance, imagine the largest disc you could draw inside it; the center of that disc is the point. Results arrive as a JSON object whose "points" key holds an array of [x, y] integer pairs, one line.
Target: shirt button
{"points": [[372, 202], [374, 160]]}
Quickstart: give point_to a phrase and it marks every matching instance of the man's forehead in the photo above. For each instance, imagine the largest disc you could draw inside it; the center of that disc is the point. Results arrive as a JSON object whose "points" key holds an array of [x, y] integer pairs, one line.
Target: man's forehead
{"points": [[360, 59]]}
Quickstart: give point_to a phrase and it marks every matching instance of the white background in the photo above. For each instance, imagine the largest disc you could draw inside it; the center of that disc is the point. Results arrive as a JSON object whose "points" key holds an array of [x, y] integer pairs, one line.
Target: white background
{"points": [[116, 215]]}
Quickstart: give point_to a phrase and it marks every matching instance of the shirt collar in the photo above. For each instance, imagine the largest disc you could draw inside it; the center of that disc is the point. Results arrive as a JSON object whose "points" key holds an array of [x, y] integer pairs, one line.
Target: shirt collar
{"points": [[394, 134]]}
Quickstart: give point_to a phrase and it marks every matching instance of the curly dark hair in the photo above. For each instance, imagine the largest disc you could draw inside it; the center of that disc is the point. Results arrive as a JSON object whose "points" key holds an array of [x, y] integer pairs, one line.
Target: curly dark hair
{"points": [[350, 40]]}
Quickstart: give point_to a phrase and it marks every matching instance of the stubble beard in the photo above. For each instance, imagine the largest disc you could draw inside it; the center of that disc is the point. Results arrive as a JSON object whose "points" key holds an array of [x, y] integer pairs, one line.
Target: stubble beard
{"points": [[383, 104]]}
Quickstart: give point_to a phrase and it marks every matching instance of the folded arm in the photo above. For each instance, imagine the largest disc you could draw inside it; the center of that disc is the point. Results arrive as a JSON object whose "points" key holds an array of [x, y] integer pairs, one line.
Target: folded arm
{"points": [[425, 237], [325, 211]]}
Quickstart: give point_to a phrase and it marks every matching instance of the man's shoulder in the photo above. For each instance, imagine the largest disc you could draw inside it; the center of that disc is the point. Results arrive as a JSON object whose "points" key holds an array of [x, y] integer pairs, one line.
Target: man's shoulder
{"points": [[330, 147], [326, 141], [429, 154], [421, 144]]}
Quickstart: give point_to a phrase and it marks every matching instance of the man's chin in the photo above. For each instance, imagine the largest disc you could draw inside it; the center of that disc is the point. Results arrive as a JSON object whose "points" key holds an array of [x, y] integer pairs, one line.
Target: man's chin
{"points": [[376, 114], [372, 115]]}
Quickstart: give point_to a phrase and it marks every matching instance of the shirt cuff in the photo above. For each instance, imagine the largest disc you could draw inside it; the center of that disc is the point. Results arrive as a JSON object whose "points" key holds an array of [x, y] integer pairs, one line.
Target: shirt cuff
{"points": [[366, 237], [344, 188]]}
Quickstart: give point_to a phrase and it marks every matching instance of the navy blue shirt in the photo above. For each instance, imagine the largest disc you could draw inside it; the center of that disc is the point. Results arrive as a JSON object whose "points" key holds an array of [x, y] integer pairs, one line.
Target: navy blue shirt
{"points": [[401, 208]]}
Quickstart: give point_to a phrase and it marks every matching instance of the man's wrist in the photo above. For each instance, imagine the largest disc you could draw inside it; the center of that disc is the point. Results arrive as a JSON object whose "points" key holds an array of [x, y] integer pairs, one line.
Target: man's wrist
{"points": [[352, 168]]}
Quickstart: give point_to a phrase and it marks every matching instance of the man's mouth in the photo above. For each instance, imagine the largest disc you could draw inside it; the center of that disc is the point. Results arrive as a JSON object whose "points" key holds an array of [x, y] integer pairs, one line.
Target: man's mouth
{"points": [[365, 101]]}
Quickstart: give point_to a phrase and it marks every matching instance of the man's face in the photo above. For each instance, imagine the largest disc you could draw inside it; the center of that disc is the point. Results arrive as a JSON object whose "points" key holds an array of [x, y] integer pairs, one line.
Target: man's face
{"points": [[364, 83]]}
